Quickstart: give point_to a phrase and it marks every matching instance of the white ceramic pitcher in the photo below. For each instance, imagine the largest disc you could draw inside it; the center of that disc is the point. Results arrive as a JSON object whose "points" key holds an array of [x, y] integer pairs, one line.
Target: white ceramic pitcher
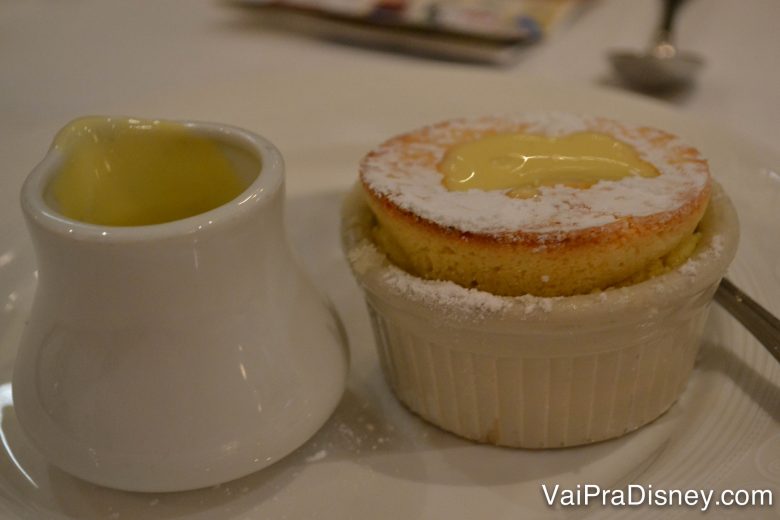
{"points": [[178, 355]]}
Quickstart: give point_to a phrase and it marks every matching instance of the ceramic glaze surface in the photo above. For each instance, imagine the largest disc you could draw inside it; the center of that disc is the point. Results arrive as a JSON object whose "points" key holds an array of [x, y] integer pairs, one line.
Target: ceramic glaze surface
{"points": [[535, 372], [179, 355]]}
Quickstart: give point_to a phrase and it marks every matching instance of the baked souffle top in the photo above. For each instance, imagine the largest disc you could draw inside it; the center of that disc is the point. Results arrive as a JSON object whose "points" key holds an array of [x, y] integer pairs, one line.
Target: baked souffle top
{"points": [[406, 172]]}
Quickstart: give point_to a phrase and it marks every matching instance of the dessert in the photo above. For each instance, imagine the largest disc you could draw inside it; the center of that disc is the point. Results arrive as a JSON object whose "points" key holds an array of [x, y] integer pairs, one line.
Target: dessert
{"points": [[556, 229], [557, 307]]}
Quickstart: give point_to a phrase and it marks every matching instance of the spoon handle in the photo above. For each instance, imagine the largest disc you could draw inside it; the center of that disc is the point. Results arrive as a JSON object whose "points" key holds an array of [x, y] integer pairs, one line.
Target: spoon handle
{"points": [[756, 319], [667, 19]]}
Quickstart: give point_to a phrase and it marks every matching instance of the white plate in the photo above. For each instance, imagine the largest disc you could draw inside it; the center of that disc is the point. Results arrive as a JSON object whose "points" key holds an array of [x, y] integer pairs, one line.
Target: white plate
{"points": [[373, 459]]}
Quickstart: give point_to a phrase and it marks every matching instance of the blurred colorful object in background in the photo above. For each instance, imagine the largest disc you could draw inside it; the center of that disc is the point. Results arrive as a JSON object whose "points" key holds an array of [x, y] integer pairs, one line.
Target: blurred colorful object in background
{"points": [[503, 20]]}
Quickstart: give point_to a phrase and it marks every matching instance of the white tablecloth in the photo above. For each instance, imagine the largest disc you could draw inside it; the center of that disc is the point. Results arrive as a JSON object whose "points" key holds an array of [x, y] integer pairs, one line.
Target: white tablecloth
{"points": [[202, 59], [63, 59]]}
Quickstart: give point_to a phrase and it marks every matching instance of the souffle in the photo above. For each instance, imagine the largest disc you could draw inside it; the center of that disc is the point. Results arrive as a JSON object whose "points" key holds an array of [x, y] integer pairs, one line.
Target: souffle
{"points": [[550, 205], [510, 262]]}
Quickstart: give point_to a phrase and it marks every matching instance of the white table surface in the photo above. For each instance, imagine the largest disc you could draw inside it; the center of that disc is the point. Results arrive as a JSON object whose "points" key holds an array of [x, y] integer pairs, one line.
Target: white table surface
{"points": [[63, 59], [195, 58], [189, 59]]}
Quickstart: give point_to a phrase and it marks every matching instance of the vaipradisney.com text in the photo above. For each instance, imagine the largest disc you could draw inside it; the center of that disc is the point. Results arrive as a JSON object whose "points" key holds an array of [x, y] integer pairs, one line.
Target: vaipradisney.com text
{"points": [[635, 495]]}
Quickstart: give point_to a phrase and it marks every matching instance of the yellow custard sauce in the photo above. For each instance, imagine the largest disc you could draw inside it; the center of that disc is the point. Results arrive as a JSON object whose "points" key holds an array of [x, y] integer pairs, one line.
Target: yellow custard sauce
{"points": [[134, 172], [522, 162]]}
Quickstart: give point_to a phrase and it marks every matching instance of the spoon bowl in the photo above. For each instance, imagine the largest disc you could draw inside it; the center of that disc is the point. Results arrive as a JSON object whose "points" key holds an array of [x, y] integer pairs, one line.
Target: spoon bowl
{"points": [[648, 71], [663, 66]]}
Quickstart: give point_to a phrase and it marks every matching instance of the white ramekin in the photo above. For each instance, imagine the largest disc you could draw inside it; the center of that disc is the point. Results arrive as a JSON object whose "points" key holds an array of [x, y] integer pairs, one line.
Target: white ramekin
{"points": [[539, 372]]}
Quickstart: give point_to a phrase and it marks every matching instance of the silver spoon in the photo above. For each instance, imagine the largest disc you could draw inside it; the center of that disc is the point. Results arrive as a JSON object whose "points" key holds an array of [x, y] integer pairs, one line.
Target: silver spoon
{"points": [[760, 322], [663, 66]]}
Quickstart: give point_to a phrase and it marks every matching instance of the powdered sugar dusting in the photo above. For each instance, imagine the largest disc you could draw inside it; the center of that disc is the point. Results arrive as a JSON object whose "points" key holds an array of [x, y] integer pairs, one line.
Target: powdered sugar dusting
{"points": [[459, 302], [691, 266], [365, 256], [444, 293], [404, 170], [717, 244]]}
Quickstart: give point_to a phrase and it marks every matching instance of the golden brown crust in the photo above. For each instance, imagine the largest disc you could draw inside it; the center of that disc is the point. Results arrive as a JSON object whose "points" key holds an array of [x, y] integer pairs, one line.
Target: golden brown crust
{"points": [[609, 233], [550, 263]]}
